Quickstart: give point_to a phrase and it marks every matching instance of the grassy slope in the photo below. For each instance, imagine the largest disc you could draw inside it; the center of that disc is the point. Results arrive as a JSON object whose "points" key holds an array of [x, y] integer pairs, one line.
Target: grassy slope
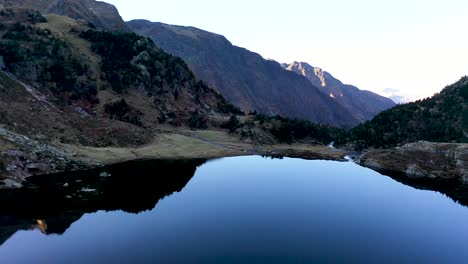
{"points": [[68, 69]]}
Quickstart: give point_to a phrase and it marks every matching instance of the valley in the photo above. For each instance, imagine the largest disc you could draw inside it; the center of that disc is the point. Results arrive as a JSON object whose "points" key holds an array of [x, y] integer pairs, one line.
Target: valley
{"points": [[93, 108], [101, 120]]}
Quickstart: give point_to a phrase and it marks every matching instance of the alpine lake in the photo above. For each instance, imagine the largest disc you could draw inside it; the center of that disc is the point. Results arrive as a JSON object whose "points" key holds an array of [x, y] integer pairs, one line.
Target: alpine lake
{"points": [[233, 210]]}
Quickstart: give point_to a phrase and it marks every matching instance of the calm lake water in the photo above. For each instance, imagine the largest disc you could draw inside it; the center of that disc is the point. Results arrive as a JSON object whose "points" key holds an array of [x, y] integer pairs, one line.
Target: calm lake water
{"points": [[232, 210]]}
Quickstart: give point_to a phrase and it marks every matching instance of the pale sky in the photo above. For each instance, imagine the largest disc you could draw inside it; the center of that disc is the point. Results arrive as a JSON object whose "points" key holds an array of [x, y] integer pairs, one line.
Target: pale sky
{"points": [[415, 46]]}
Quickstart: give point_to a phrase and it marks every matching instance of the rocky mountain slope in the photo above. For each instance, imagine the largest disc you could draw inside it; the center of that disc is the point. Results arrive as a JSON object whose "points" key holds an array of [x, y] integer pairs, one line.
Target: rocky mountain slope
{"points": [[100, 14], [363, 105], [441, 118], [242, 77], [61, 82], [245, 78]]}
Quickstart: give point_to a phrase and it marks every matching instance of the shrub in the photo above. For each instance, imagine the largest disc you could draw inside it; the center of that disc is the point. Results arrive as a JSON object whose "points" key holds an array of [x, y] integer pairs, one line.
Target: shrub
{"points": [[228, 108], [120, 110], [2, 166], [134, 53], [232, 124], [7, 13], [18, 27], [12, 52], [36, 17], [288, 130], [197, 121]]}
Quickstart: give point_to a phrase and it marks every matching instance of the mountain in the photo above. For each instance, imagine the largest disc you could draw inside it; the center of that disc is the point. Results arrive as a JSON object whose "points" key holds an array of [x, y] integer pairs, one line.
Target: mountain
{"points": [[441, 118], [395, 95], [254, 84], [64, 81], [100, 14], [245, 78], [362, 104]]}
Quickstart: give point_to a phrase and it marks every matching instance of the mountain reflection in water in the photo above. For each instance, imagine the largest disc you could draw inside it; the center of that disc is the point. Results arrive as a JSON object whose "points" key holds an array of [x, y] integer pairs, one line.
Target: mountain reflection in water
{"points": [[52, 203], [234, 210], [452, 188]]}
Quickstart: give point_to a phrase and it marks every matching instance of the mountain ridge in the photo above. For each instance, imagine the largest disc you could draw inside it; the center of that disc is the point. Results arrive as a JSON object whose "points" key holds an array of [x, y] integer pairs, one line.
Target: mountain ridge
{"points": [[101, 14], [244, 77], [363, 104], [241, 76]]}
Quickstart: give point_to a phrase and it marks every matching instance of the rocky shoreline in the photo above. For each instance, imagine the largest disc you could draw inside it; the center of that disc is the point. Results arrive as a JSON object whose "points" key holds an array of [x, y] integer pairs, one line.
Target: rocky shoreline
{"points": [[421, 160], [29, 157], [22, 157]]}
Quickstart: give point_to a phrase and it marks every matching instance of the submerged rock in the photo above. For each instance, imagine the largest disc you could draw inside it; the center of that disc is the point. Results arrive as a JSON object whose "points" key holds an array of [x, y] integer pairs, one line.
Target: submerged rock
{"points": [[104, 174], [10, 184], [87, 190]]}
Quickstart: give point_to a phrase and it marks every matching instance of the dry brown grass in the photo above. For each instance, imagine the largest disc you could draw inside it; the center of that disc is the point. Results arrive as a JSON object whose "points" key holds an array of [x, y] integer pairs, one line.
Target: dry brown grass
{"points": [[165, 146], [61, 26], [186, 144]]}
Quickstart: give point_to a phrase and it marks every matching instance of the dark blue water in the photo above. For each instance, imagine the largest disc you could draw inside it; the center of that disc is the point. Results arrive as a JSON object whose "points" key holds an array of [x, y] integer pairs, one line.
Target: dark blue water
{"points": [[248, 210]]}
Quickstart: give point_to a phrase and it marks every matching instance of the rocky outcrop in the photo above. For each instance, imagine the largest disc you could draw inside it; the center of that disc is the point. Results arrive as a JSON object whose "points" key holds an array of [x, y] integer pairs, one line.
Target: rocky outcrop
{"points": [[421, 160], [29, 157]]}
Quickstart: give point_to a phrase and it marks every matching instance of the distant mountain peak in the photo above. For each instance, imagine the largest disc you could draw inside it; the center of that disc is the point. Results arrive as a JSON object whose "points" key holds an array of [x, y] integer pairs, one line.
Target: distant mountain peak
{"points": [[306, 70], [245, 78], [363, 104], [396, 95]]}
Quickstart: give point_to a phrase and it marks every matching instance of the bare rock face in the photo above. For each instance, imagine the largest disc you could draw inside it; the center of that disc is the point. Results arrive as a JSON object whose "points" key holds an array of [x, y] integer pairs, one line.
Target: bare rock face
{"points": [[421, 160]]}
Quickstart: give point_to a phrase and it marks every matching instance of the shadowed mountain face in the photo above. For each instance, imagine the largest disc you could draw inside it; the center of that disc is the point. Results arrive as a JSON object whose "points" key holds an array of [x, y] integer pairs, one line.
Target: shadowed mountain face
{"points": [[52, 203], [99, 87], [100, 14], [245, 78], [362, 104]]}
